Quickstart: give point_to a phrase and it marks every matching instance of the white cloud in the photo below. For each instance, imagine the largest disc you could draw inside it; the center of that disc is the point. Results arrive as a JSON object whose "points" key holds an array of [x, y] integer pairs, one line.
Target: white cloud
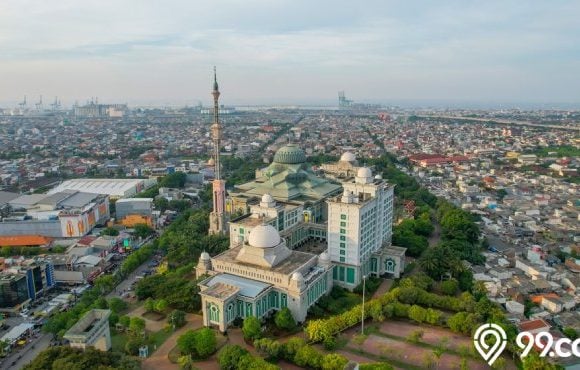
{"points": [[164, 50]]}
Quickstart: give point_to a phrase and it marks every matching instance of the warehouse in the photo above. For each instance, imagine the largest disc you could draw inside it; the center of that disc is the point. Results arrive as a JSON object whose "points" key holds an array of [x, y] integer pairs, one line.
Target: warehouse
{"points": [[114, 188]]}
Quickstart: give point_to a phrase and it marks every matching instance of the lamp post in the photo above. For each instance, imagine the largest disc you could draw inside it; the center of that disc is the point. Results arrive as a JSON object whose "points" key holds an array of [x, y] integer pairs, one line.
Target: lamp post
{"points": [[362, 321]]}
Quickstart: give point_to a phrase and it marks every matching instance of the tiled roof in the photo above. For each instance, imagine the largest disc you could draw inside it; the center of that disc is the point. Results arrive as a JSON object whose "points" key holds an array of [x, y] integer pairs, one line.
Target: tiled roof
{"points": [[24, 240]]}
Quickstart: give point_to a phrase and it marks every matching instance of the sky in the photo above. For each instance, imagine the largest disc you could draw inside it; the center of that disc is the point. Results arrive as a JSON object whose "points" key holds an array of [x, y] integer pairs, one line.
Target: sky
{"points": [[147, 52]]}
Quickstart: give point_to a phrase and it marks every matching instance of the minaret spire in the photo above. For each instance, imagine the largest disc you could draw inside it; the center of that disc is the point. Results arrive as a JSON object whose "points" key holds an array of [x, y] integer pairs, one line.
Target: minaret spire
{"points": [[216, 128], [217, 218]]}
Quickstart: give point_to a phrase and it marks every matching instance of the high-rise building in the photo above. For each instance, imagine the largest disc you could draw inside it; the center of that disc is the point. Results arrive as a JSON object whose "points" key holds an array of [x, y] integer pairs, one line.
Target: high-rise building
{"points": [[217, 218], [360, 229]]}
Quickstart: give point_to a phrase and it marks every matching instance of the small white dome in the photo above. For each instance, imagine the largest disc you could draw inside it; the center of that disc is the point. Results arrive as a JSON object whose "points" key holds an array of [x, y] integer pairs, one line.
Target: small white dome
{"points": [[347, 157], [297, 276], [364, 172], [204, 256], [324, 257], [267, 198], [264, 236], [378, 177]]}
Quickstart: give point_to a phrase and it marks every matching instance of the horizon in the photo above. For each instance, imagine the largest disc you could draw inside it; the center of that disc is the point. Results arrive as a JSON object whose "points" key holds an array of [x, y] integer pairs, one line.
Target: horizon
{"points": [[451, 53]]}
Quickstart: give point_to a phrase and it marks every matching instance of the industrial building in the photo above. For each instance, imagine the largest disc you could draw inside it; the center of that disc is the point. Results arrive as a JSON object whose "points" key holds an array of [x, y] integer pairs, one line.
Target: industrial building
{"points": [[67, 213], [132, 211], [114, 188]]}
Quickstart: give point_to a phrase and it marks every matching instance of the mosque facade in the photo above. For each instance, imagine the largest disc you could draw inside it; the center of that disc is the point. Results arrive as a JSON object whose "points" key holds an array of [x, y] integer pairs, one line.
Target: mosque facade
{"points": [[297, 234]]}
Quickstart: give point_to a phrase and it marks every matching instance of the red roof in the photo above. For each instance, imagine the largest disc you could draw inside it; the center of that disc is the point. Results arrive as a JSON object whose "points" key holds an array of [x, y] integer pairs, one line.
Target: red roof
{"points": [[86, 240], [24, 240], [533, 325]]}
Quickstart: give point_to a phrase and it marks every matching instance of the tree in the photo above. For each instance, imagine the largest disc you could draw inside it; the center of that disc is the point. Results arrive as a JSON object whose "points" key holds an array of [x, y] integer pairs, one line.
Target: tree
{"points": [[137, 325], [570, 333], [252, 328], [104, 283], [229, 356], [462, 322], [205, 342], [173, 180], [64, 357], [199, 343], [110, 231], [161, 305], [125, 321], [149, 305], [117, 304], [177, 318], [533, 361], [284, 319], [187, 342], [142, 230], [132, 346]]}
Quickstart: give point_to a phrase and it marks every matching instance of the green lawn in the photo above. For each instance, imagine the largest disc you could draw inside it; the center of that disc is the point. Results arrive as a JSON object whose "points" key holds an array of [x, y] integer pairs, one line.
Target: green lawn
{"points": [[118, 340]]}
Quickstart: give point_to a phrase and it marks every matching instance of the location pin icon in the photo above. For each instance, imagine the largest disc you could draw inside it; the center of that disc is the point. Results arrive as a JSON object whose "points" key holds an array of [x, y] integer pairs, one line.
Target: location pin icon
{"points": [[490, 353]]}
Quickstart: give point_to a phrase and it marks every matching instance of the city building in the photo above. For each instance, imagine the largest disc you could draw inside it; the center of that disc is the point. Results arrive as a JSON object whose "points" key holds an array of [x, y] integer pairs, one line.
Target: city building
{"points": [[133, 211], [114, 188], [24, 280], [260, 277], [360, 230], [92, 330], [68, 213], [13, 292]]}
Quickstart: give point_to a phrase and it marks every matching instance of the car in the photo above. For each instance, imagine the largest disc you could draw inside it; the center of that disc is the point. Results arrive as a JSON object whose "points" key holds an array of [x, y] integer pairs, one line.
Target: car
{"points": [[493, 249]]}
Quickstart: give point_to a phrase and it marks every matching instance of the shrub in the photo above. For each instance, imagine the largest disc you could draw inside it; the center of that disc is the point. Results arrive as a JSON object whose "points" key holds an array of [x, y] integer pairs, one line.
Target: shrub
{"points": [[284, 319], [252, 328], [177, 318], [334, 361], [229, 356], [268, 348], [308, 357], [449, 287], [132, 346], [199, 343]]}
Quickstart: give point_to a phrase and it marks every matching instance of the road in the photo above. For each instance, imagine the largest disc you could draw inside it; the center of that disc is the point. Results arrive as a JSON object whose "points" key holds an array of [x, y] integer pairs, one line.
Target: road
{"points": [[24, 355], [126, 284]]}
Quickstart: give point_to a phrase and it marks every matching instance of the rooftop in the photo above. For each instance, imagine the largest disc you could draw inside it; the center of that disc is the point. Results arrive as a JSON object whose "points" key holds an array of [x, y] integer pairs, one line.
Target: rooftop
{"points": [[286, 267], [24, 240], [225, 285]]}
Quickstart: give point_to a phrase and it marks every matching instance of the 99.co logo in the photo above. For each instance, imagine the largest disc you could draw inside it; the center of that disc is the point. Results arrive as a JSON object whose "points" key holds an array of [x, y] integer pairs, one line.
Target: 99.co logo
{"points": [[544, 341], [562, 347]]}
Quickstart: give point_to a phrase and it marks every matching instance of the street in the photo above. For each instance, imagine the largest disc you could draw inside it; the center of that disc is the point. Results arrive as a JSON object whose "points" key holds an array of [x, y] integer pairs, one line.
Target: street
{"points": [[21, 356]]}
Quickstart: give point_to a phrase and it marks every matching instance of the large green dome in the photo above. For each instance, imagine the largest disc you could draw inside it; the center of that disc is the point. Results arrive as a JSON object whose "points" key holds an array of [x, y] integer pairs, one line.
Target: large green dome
{"points": [[290, 154]]}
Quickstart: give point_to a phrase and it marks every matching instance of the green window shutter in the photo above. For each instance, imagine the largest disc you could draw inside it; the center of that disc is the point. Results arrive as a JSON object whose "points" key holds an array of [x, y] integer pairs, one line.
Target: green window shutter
{"points": [[350, 275]]}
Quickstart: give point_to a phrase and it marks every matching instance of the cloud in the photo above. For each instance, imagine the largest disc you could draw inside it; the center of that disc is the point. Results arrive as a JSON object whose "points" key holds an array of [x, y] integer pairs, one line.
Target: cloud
{"points": [[382, 50]]}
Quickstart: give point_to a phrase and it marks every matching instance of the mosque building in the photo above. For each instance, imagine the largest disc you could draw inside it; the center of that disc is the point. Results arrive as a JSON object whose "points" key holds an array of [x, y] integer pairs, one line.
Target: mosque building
{"points": [[296, 236]]}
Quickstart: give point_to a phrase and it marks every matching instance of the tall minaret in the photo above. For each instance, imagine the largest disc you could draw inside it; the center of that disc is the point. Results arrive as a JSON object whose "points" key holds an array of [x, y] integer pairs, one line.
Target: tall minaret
{"points": [[217, 218]]}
